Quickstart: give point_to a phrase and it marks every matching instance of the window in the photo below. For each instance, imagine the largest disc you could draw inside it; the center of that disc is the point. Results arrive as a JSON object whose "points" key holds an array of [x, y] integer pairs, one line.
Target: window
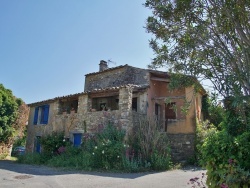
{"points": [[105, 103], [170, 111], [134, 104], [41, 115], [157, 110], [67, 105]]}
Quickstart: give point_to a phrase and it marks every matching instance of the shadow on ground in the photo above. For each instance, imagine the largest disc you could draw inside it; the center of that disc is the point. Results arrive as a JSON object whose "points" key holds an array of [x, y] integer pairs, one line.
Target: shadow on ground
{"points": [[49, 171]]}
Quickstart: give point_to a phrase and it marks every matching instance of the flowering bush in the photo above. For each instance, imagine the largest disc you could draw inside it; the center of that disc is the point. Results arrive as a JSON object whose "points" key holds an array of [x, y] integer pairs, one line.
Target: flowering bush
{"points": [[227, 159], [198, 182], [109, 149], [51, 143], [106, 150], [150, 145]]}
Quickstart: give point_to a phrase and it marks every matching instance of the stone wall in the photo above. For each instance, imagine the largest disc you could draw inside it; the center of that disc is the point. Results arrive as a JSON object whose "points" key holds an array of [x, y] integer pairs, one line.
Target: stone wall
{"points": [[116, 77], [76, 122], [182, 146]]}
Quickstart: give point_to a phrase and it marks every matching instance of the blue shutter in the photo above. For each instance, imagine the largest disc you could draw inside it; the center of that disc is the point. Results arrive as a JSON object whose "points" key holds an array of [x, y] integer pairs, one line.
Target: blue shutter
{"points": [[45, 114], [38, 144], [36, 116], [77, 139]]}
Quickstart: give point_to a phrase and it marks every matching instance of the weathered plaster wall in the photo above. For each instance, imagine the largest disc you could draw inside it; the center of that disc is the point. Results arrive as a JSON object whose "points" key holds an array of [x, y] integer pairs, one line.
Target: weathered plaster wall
{"points": [[159, 89], [158, 93], [188, 125], [40, 130], [116, 77]]}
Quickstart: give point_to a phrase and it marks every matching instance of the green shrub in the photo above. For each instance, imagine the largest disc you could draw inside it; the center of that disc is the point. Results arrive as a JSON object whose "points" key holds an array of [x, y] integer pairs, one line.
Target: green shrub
{"points": [[51, 143], [149, 144], [159, 161], [203, 131], [109, 149], [104, 151], [3, 155], [73, 158], [132, 165], [30, 158], [227, 159], [212, 110]]}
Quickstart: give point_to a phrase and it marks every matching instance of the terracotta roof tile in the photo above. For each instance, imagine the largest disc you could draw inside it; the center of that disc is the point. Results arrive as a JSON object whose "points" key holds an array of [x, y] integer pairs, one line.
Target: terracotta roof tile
{"points": [[92, 91]]}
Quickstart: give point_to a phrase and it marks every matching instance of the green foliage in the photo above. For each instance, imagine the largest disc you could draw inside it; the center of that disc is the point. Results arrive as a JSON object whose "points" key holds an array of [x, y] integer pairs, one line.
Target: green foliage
{"points": [[20, 141], [149, 144], [160, 161], [203, 131], [109, 149], [212, 111], [8, 113], [3, 156], [133, 165], [227, 159], [225, 152], [235, 121], [30, 158], [73, 158], [208, 39], [52, 143], [103, 151]]}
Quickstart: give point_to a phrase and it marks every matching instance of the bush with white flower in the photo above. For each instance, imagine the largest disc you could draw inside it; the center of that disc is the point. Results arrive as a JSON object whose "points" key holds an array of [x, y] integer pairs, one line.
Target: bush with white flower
{"points": [[108, 149]]}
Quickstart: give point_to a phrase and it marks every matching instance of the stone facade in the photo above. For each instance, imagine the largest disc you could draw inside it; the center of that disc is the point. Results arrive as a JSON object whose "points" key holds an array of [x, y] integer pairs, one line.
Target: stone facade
{"points": [[74, 122], [113, 96], [182, 146], [115, 77]]}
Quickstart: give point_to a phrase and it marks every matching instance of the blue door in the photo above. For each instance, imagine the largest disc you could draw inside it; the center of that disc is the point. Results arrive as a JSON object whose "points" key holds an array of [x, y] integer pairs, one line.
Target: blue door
{"points": [[77, 139], [38, 144]]}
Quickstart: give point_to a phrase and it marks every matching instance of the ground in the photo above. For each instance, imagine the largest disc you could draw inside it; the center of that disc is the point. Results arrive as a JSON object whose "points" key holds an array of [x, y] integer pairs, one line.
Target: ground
{"points": [[30, 176]]}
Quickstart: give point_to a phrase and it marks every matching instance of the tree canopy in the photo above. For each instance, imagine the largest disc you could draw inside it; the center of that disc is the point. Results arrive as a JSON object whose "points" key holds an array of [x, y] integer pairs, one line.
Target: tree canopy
{"points": [[208, 39], [13, 114]]}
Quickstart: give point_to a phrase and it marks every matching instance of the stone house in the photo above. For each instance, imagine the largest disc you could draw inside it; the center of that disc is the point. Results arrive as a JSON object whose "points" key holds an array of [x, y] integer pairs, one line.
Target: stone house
{"points": [[118, 94]]}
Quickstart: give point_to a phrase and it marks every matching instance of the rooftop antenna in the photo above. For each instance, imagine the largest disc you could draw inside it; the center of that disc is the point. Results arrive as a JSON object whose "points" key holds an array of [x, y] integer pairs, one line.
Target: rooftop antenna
{"points": [[110, 61]]}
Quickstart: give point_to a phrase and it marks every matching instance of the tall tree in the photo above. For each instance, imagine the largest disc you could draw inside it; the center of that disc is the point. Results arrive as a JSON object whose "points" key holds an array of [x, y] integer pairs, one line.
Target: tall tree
{"points": [[208, 39], [8, 113], [22, 118], [13, 115]]}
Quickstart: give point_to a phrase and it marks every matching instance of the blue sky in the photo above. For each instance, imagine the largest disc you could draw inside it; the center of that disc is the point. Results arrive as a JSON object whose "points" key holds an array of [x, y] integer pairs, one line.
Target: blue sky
{"points": [[46, 47]]}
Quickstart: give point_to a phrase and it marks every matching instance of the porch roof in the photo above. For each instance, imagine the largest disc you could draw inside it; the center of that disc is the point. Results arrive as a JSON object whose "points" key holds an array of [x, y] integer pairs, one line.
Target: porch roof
{"points": [[136, 88]]}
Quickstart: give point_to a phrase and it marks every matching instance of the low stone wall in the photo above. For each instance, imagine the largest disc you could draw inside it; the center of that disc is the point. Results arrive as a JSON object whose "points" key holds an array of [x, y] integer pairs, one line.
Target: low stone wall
{"points": [[182, 146]]}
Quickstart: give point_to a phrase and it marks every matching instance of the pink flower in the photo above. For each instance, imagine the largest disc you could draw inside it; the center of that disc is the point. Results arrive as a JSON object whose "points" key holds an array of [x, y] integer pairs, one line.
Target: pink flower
{"points": [[61, 149], [224, 185], [230, 161]]}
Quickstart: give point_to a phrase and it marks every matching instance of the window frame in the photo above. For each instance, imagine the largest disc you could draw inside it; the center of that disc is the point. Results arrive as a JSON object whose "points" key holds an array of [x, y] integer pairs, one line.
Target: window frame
{"points": [[170, 113], [41, 115]]}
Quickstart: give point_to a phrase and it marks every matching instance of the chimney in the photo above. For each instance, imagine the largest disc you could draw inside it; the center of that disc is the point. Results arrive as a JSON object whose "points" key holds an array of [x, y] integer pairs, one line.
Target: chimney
{"points": [[103, 65]]}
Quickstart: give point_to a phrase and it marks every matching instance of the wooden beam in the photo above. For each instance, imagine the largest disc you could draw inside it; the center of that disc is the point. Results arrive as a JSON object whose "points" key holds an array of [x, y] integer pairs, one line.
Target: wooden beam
{"points": [[160, 79], [171, 97], [103, 94]]}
